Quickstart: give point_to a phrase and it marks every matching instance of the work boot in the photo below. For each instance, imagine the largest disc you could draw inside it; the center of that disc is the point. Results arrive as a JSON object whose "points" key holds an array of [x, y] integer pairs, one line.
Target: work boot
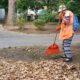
{"points": [[67, 59]]}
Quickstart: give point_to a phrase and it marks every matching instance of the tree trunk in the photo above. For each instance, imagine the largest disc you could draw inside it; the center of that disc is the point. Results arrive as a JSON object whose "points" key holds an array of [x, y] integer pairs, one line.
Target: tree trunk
{"points": [[11, 12]]}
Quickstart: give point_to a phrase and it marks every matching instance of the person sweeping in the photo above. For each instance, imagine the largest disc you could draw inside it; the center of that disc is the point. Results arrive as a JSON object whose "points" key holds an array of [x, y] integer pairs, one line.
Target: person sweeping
{"points": [[66, 31]]}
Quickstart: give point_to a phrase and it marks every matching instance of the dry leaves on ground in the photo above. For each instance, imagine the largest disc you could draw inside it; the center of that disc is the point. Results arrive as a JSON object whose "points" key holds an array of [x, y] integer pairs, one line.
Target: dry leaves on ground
{"points": [[12, 68], [38, 70]]}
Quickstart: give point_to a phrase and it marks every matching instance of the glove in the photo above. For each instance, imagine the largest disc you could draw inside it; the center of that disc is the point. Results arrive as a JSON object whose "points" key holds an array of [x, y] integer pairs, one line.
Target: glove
{"points": [[58, 28]]}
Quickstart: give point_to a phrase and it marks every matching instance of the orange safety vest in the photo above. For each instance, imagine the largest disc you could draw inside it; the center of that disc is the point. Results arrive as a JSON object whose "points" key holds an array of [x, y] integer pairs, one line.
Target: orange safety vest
{"points": [[61, 15], [66, 29]]}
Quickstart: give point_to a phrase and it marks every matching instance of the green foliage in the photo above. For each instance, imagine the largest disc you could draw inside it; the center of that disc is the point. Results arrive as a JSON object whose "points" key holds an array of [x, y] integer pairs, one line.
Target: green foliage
{"points": [[20, 22], [4, 4], [54, 15], [48, 3], [75, 7], [45, 17], [49, 17], [39, 23], [22, 5]]}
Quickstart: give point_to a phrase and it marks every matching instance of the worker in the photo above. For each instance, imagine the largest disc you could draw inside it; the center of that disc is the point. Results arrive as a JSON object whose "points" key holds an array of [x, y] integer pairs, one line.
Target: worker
{"points": [[66, 31]]}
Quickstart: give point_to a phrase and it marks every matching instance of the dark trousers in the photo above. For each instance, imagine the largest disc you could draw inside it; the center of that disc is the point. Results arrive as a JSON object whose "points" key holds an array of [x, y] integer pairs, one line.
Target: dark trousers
{"points": [[66, 47]]}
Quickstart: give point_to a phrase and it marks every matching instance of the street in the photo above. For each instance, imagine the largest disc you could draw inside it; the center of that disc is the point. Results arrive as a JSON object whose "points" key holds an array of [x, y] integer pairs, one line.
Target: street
{"points": [[14, 39]]}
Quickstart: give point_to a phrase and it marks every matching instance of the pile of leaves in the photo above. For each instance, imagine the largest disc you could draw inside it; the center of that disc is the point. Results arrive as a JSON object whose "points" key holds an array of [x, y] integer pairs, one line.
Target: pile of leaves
{"points": [[38, 70]]}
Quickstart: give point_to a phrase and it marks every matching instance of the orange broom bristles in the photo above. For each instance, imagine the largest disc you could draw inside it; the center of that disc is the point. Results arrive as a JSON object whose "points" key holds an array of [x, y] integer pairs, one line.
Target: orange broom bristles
{"points": [[52, 49]]}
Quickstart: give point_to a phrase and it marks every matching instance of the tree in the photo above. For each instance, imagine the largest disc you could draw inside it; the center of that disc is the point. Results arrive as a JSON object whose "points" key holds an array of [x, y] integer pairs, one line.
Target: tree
{"points": [[11, 11], [22, 5]]}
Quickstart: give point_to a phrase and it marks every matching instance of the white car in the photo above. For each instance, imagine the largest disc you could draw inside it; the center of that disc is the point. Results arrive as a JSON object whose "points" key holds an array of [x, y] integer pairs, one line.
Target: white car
{"points": [[2, 14]]}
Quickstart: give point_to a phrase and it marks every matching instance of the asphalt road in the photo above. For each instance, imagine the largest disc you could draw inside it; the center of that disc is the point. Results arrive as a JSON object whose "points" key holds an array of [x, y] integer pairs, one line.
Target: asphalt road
{"points": [[14, 39]]}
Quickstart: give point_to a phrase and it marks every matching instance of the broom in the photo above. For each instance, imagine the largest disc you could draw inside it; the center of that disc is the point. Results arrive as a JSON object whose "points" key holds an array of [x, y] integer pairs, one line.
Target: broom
{"points": [[53, 48]]}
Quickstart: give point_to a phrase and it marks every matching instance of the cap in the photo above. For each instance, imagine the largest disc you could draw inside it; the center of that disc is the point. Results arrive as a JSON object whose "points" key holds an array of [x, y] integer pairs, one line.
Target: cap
{"points": [[61, 8]]}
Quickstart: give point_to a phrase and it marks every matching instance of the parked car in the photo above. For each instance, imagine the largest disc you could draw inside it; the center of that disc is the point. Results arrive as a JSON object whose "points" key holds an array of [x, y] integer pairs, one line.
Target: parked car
{"points": [[2, 14]]}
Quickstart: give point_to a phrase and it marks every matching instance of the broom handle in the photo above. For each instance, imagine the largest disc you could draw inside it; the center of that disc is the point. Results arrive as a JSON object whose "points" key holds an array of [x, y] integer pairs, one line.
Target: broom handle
{"points": [[55, 38], [56, 35]]}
